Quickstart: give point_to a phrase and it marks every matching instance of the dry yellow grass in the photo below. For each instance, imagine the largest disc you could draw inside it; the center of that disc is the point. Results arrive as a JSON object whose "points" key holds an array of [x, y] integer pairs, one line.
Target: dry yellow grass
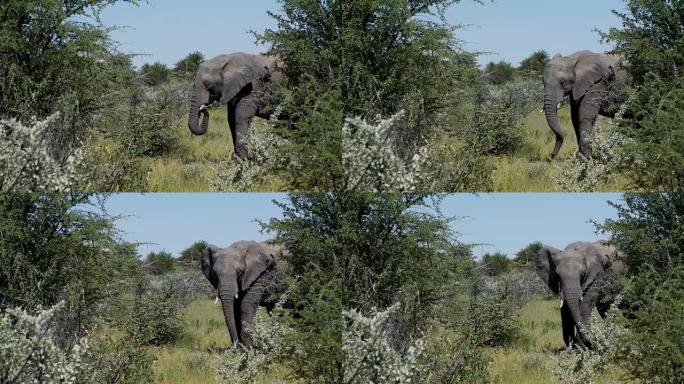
{"points": [[195, 357], [526, 362]]}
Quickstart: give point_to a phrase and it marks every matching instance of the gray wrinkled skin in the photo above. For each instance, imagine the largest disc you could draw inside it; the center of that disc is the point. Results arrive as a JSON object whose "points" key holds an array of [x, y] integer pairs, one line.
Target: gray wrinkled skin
{"points": [[588, 78], [582, 275], [245, 274], [242, 81]]}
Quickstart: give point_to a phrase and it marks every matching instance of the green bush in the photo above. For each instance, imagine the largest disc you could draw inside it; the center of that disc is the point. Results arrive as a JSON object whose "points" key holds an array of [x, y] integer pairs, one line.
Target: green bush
{"points": [[650, 38], [159, 263], [241, 365], [154, 74], [533, 65], [653, 350], [494, 127], [576, 366], [187, 67], [118, 359], [192, 255], [499, 73], [649, 230], [451, 359], [491, 318], [57, 57], [154, 317], [148, 130], [496, 264]]}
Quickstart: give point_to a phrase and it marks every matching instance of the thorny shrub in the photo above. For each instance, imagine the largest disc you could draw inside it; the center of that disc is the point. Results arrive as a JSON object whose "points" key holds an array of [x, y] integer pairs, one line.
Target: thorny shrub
{"points": [[242, 365], [27, 163]]}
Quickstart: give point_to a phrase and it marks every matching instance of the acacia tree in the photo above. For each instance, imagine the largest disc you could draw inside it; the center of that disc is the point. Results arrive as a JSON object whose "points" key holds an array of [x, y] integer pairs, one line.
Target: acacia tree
{"points": [[366, 252], [307, 40], [534, 64], [652, 40], [649, 229], [188, 65], [55, 56]]}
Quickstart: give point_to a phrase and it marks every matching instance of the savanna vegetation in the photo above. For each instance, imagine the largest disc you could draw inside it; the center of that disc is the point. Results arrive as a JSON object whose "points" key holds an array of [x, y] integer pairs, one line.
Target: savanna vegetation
{"points": [[441, 123], [381, 290], [77, 115], [379, 98]]}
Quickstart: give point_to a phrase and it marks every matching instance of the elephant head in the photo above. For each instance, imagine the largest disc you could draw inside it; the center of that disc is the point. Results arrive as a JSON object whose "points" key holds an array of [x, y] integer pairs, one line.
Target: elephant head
{"points": [[223, 78], [233, 272], [574, 274], [573, 75]]}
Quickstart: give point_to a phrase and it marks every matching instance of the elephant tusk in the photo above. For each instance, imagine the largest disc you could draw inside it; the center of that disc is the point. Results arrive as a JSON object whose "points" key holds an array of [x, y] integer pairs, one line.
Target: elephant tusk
{"points": [[561, 304], [236, 296], [202, 107], [216, 300]]}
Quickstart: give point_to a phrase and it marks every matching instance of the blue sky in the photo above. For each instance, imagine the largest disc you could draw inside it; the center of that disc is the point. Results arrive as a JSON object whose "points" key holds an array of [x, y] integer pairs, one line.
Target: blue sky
{"points": [[507, 222], [173, 221], [167, 30], [503, 222]]}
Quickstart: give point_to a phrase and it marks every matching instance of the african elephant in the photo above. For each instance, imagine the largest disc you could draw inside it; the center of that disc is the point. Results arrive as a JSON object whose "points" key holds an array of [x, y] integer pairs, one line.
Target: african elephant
{"points": [[242, 81], [589, 79], [583, 275], [245, 274]]}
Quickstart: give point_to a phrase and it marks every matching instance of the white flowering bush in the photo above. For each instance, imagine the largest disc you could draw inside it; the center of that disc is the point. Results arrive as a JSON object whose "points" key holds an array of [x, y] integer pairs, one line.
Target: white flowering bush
{"points": [[26, 162], [30, 352], [575, 365], [247, 174], [372, 161], [242, 365], [578, 174], [370, 356]]}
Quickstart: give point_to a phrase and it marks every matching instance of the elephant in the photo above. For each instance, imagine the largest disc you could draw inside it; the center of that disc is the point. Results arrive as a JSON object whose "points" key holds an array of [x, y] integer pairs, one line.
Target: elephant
{"points": [[584, 276], [245, 274], [242, 81], [594, 83]]}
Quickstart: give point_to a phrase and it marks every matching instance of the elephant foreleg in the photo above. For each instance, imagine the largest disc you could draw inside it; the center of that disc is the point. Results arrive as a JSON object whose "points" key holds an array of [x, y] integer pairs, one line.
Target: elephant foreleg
{"points": [[245, 110], [574, 116], [568, 326], [231, 122], [587, 112], [248, 309]]}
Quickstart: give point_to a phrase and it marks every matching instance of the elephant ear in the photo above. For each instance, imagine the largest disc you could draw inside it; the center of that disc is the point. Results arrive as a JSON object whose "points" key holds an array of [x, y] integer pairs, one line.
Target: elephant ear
{"points": [[207, 264], [597, 260], [238, 73], [258, 260], [589, 70], [546, 267]]}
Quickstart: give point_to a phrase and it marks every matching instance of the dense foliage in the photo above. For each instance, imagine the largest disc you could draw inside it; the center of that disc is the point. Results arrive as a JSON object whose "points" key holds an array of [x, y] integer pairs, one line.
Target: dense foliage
{"points": [[496, 264], [368, 252], [307, 40], [649, 229], [652, 40], [192, 255], [159, 263], [527, 257], [533, 65]]}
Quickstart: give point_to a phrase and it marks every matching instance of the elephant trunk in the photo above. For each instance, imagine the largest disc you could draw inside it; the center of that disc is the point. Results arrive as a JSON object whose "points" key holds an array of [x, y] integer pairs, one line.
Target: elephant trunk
{"points": [[572, 295], [551, 100], [227, 296], [198, 100]]}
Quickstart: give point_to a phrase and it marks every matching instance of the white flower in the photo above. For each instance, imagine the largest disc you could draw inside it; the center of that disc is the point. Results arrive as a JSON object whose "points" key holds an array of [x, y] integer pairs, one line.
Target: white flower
{"points": [[29, 352], [372, 161], [26, 164]]}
